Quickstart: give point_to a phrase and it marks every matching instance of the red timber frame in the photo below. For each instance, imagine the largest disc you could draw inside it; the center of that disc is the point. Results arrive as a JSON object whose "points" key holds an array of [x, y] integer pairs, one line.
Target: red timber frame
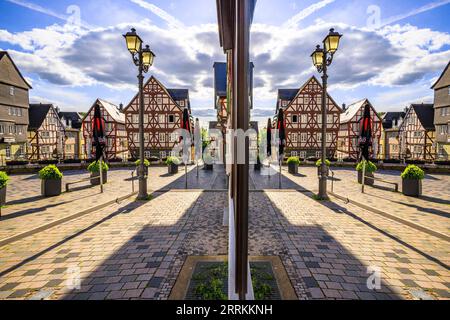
{"points": [[303, 122], [416, 143], [348, 145], [116, 135], [162, 116], [55, 141]]}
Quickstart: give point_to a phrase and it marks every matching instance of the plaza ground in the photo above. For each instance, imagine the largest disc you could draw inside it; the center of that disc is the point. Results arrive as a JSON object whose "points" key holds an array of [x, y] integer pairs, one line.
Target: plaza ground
{"points": [[135, 250]]}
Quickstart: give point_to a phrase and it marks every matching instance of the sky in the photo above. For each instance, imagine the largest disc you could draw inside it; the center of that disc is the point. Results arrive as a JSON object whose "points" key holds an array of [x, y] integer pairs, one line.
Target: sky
{"points": [[73, 52]]}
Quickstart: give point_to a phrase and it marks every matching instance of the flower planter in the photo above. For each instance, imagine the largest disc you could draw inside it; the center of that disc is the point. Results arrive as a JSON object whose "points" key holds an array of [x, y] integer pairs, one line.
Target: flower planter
{"points": [[138, 170], [319, 171], [3, 197], [412, 187], [367, 182], [96, 182], [51, 188], [293, 168], [173, 168]]}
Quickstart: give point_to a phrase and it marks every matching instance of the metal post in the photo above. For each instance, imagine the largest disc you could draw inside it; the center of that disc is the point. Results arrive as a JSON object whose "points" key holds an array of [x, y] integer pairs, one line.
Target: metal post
{"points": [[364, 174], [185, 176], [323, 172], [143, 195], [279, 175], [101, 173]]}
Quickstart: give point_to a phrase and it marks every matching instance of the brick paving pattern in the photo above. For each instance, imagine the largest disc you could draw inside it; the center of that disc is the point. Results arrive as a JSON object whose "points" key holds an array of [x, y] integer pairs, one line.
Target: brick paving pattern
{"points": [[135, 250]]}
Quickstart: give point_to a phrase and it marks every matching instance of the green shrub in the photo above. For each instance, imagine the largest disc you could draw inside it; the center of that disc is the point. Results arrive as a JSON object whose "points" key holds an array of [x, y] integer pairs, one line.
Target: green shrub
{"points": [[173, 160], [319, 163], [4, 179], [370, 166], [50, 172], [146, 163], [413, 172], [94, 167], [294, 160]]}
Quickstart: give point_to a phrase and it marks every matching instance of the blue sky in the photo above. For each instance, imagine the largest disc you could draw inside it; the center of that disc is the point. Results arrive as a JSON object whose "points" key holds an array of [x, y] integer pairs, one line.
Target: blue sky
{"points": [[73, 53]]}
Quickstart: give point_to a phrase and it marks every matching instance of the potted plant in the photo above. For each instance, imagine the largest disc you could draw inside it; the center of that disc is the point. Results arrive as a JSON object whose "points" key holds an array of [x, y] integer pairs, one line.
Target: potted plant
{"points": [[51, 181], [146, 165], [173, 163], [94, 169], [258, 164], [412, 181], [4, 179], [370, 170], [319, 166], [293, 163]]}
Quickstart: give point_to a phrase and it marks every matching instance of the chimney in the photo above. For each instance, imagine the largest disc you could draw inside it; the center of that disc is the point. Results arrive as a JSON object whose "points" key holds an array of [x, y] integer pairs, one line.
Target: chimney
{"points": [[57, 110], [121, 107], [344, 107]]}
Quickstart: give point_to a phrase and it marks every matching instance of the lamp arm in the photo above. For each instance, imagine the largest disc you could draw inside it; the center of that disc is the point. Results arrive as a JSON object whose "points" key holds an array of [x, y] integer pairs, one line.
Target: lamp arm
{"points": [[330, 59], [135, 58]]}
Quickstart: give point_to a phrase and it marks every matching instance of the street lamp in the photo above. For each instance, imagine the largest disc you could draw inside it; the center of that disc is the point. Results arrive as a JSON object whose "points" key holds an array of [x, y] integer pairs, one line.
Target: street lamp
{"points": [[143, 58], [322, 59]]}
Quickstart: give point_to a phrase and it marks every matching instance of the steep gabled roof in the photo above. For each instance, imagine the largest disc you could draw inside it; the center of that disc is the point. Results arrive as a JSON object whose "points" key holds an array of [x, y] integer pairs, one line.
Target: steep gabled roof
{"points": [[425, 113], [352, 110], [180, 95], [292, 94], [37, 113], [440, 83], [74, 117], [113, 111], [389, 118], [6, 54]]}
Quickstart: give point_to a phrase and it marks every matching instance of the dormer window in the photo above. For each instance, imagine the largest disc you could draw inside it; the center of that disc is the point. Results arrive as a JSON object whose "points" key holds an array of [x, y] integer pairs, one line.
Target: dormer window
{"points": [[181, 103]]}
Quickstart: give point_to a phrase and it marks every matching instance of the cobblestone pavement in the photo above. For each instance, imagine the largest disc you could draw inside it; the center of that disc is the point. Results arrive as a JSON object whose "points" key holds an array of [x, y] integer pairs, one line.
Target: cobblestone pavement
{"points": [[432, 210], [27, 209], [135, 250]]}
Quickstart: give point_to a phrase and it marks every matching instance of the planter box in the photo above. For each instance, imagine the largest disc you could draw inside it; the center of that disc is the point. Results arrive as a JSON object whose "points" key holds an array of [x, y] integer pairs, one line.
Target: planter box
{"points": [[173, 168], [209, 167], [51, 188], [367, 182], [412, 188], [319, 171], [96, 182], [3, 196], [293, 168], [258, 167], [138, 171]]}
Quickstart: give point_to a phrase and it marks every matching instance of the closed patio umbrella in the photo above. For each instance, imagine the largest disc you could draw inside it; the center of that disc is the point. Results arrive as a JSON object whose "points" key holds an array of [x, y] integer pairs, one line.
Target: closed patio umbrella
{"points": [[365, 140], [198, 143], [281, 127], [98, 126], [186, 125]]}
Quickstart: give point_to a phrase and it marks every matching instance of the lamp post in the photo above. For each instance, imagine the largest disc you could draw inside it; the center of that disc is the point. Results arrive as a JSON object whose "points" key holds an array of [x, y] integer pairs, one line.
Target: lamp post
{"points": [[322, 59], [143, 58]]}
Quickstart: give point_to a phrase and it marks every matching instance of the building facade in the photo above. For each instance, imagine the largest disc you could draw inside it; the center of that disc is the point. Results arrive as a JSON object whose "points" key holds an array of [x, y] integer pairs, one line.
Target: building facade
{"points": [[390, 139], [116, 135], [303, 115], [74, 144], [349, 131], [46, 134], [418, 134], [442, 114], [14, 104], [163, 115]]}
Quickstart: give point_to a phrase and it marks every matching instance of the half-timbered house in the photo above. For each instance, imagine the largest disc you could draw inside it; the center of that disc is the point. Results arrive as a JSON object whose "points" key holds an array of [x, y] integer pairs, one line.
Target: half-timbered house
{"points": [[390, 139], [303, 113], [116, 135], [418, 133], [74, 143], [46, 135], [163, 115], [349, 132]]}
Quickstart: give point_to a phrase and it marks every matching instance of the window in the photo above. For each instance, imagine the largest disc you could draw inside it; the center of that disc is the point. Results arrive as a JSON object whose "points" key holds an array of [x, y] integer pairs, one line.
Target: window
{"points": [[294, 137], [330, 119], [294, 154], [147, 154], [171, 118], [319, 119], [303, 154], [11, 91], [8, 152], [449, 90], [162, 137], [329, 138], [135, 118], [284, 103], [304, 118], [162, 154], [417, 134], [162, 118], [304, 137], [294, 119], [319, 137], [2, 128], [318, 154], [442, 130], [181, 103], [172, 137], [22, 150]]}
